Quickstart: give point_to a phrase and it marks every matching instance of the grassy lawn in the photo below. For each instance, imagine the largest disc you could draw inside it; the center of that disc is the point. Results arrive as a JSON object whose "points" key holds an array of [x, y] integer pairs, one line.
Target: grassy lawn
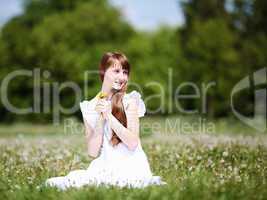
{"points": [[228, 164]]}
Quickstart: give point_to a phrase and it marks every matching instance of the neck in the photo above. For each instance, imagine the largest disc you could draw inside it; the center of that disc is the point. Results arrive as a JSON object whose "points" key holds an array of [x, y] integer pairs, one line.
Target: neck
{"points": [[107, 91]]}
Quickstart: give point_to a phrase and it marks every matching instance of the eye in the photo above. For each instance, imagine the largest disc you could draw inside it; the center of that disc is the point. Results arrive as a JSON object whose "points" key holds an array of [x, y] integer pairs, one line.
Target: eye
{"points": [[117, 70], [125, 72]]}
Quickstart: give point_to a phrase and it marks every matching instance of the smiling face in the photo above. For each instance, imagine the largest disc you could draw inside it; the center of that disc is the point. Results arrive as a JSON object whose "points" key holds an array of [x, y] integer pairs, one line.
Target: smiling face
{"points": [[115, 76]]}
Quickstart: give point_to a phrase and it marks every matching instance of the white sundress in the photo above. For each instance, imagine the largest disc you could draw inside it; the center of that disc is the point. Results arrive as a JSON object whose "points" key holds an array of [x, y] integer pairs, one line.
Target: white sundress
{"points": [[117, 166]]}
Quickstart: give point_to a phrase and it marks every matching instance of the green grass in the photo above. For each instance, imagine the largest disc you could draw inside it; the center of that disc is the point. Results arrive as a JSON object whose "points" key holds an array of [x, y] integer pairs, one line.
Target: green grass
{"points": [[195, 166]]}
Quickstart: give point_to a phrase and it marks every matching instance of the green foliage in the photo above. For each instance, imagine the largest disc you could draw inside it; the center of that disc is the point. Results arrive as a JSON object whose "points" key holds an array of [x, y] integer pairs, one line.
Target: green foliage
{"points": [[220, 42], [211, 49], [155, 54], [66, 43]]}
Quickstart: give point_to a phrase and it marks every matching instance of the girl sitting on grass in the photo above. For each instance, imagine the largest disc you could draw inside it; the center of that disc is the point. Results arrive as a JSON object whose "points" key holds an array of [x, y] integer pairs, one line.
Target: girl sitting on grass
{"points": [[111, 121]]}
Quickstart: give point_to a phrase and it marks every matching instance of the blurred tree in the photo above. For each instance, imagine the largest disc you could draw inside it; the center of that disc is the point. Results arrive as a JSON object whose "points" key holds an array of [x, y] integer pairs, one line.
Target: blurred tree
{"points": [[221, 41], [249, 23], [64, 38], [213, 58], [219, 34], [201, 11], [155, 58]]}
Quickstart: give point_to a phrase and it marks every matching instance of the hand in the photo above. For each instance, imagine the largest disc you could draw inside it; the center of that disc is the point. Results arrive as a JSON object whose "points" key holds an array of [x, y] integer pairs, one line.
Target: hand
{"points": [[103, 107]]}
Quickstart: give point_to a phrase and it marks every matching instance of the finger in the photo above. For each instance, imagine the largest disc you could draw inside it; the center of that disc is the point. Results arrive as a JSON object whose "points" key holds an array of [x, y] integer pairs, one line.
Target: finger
{"points": [[100, 107], [103, 104], [100, 104], [100, 101]]}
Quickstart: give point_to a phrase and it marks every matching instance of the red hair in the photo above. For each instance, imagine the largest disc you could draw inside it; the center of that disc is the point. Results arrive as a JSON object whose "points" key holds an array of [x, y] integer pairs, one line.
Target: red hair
{"points": [[108, 60]]}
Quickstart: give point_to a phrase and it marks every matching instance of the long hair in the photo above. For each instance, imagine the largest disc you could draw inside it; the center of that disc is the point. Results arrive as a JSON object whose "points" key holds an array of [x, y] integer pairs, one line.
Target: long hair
{"points": [[118, 110]]}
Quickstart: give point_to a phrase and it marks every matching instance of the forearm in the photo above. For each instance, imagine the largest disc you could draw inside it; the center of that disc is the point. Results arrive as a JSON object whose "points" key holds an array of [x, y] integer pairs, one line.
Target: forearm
{"points": [[99, 128], [95, 139], [127, 136]]}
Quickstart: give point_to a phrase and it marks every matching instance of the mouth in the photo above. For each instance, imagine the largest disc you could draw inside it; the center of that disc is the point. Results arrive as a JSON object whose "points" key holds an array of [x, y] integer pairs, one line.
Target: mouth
{"points": [[117, 85]]}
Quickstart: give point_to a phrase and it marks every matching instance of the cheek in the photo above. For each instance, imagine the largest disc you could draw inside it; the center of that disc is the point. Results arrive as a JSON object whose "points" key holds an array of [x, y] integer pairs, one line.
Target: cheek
{"points": [[110, 76], [126, 77]]}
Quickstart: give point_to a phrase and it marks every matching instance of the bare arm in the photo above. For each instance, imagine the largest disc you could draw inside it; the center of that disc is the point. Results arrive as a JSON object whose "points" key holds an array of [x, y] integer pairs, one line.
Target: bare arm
{"points": [[94, 137], [129, 135]]}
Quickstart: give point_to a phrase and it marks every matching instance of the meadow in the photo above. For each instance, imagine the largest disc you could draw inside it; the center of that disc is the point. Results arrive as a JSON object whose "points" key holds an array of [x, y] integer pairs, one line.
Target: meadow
{"points": [[228, 164]]}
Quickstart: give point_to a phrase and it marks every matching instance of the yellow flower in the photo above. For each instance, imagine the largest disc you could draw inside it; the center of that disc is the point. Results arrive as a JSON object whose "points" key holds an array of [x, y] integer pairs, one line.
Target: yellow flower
{"points": [[101, 95]]}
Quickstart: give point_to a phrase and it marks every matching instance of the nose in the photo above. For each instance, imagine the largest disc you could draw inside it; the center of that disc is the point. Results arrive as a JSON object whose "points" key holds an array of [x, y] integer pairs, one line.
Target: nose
{"points": [[120, 76]]}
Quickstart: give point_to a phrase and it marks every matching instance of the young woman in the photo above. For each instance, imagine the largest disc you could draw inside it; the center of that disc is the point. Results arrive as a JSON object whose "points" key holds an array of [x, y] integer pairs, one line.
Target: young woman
{"points": [[111, 122]]}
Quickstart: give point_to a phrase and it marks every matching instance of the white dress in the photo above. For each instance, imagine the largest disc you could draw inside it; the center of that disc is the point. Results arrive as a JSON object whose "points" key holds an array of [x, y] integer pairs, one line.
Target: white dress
{"points": [[117, 165]]}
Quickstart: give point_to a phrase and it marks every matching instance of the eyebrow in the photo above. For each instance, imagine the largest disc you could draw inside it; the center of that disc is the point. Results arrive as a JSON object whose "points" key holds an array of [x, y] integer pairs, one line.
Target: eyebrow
{"points": [[115, 67]]}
